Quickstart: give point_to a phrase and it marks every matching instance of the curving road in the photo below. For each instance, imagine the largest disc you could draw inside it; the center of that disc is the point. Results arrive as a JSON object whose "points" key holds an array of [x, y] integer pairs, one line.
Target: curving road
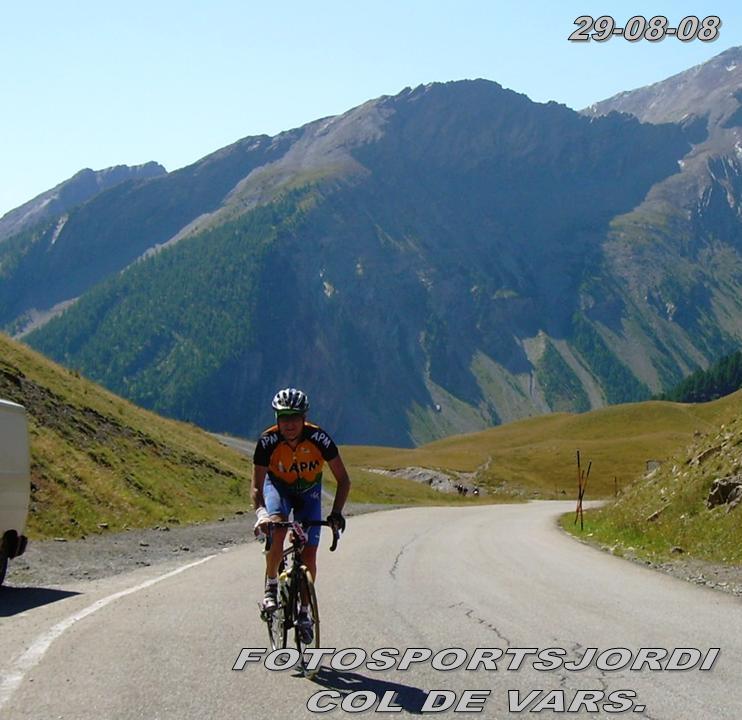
{"points": [[162, 642]]}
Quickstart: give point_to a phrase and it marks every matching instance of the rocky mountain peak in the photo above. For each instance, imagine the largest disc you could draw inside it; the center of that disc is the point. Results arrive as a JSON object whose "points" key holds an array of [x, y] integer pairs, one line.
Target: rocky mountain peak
{"points": [[710, 90], [82, 186]]}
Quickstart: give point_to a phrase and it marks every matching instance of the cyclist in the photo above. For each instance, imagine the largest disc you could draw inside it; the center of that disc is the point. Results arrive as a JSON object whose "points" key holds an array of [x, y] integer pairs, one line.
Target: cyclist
{"points": [[287, 475]]}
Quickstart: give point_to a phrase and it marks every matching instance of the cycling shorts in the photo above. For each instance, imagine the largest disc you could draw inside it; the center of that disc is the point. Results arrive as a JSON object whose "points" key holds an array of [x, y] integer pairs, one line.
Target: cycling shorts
{"points": [[281, 498]]}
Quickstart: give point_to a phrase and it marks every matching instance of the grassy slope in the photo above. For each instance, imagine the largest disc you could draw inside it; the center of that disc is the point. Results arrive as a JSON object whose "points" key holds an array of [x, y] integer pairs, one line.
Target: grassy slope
{"points": [[537, 455], [667, 508], [97, 458]]}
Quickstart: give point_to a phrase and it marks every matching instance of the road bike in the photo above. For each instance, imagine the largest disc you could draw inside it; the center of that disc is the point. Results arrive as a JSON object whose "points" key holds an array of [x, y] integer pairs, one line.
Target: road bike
{"points": [[295, 584]]}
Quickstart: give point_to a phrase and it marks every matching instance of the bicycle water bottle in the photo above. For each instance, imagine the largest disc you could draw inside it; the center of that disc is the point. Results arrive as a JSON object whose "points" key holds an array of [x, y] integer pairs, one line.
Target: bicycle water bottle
{"points": [[283, 591]]}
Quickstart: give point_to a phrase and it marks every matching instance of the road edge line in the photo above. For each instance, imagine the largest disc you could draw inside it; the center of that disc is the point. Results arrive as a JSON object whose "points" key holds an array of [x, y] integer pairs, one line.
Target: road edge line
{"points": [[33, 655]]}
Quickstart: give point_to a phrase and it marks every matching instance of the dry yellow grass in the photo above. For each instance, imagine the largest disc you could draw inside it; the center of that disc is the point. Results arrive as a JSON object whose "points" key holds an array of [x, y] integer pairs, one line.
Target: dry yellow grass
{"points": [[538, 455]]}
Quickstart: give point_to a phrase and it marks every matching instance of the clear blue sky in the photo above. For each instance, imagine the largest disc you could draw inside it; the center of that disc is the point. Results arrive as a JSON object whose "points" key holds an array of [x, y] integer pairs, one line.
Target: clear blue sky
{"points": [[95, 84]]}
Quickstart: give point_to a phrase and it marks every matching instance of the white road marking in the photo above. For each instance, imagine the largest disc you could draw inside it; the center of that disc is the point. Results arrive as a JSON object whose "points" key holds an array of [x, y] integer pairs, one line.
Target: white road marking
{"points": [[29, 659]]}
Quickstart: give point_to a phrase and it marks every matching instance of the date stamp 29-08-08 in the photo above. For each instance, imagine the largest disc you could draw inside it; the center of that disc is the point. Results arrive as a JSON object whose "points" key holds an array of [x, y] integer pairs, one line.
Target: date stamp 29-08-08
{"points": [[640, 28]]}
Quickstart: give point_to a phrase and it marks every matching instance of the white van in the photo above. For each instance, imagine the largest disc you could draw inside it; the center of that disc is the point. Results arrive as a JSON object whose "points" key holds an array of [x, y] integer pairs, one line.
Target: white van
{"points": [[15, 482]]}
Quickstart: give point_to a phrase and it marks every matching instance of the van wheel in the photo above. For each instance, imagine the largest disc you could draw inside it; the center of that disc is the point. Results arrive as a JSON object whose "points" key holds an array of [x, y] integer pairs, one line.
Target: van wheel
{"points": [[3, 566]]}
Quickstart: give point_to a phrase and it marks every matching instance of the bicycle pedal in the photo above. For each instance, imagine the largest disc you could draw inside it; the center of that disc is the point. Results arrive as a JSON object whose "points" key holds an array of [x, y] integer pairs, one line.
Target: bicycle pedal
{"points": [[266, 613]]}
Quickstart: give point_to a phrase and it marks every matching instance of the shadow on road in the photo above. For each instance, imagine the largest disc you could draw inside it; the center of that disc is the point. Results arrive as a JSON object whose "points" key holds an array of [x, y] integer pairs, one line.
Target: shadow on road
{"points": [[14, 600], [409, 698]]}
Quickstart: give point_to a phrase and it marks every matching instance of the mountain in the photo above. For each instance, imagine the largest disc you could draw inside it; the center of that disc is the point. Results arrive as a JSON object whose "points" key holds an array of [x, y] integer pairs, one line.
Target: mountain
{"points": [[706, 100], [706, 94], [78, 189], [429, 263], [676, 256], [47, 265]]}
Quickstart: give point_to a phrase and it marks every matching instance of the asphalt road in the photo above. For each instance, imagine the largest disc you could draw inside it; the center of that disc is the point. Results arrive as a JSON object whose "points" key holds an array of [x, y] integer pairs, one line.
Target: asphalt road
{"points": [[149, 644]]}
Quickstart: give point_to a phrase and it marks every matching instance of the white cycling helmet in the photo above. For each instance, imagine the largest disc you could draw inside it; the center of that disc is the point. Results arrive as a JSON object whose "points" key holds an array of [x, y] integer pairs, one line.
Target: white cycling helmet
{"points": [[290, 401]]}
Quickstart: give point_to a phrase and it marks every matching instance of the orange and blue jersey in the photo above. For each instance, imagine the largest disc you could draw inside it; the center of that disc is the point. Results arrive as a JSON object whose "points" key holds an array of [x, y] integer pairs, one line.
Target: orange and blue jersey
{"points": [[300, 467]]}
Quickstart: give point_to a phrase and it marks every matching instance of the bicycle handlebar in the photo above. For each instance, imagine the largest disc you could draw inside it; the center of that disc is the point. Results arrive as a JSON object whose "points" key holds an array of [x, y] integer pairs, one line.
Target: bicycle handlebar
{"points": [[303, 524]]}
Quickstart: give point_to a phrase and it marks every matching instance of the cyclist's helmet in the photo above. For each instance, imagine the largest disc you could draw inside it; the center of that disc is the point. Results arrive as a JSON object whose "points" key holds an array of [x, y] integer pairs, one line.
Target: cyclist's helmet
{"points": [[290, 401]]}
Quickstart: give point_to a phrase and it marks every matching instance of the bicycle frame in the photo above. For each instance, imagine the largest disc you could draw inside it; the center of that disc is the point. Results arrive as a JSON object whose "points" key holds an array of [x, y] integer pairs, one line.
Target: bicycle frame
{"points": [[293, 579]]}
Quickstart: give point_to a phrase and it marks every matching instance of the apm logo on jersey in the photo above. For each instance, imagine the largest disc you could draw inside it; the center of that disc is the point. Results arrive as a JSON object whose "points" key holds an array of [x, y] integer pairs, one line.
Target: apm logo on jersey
{"points": [[301, 467], [320, 437], [269, 440]]}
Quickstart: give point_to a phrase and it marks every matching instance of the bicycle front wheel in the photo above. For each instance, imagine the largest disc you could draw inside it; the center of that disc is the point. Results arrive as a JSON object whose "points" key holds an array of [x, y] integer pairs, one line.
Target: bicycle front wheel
{"points": [[277, 630], [279, 620], [308, 595]]}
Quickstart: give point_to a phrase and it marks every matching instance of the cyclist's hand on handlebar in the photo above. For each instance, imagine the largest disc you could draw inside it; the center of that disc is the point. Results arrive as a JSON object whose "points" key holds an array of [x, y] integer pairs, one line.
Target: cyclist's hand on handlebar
{"points": [[337, 521], [260, 527]]}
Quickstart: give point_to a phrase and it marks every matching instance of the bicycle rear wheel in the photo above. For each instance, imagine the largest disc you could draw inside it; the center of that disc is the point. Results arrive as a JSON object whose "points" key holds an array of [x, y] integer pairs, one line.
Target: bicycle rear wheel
{"points": [[306, 589]]}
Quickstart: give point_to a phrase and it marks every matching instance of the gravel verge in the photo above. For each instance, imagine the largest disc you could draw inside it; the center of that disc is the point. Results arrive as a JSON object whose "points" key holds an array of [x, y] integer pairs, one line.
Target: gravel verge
{"points": [[724, 578], [51, 563]]}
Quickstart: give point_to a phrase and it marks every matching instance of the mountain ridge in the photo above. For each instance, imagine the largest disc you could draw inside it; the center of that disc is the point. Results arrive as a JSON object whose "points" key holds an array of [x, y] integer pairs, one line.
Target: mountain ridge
{"points": [[54, 262], [430, 262], [410, 222], [82, 186]]}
